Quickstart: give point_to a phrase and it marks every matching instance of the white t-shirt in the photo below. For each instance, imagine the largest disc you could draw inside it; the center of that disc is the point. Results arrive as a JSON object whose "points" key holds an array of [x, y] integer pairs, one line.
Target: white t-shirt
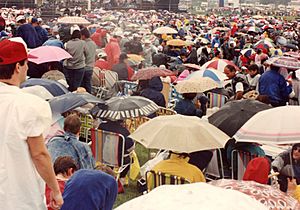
{"points": [[22, 115], [239, 87]]}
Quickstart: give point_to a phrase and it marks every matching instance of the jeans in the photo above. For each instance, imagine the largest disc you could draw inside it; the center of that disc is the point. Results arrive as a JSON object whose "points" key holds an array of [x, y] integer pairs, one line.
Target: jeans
{"points": [[74, 77], [87, 79]]}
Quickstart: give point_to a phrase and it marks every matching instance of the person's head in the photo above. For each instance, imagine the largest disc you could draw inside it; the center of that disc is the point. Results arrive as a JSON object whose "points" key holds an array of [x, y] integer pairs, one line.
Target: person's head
{"points": [[258, 170], [34, 22], [65, 166], [253, 70], [20, 20], [189, 96], [259, 51], [230, 71], [72, 124], [76, 34], [85, 34], [296, 151], [275, 68], [123, 58], [13, 62]]}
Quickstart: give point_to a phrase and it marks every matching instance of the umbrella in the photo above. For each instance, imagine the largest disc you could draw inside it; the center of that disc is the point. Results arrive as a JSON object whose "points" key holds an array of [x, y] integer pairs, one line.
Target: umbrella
{"points": [[285, 62], [192, 66], [264, 42], [45, 54], [165, 30], [233, 115], [192, 197], [176, 42], [218, 64], [282, 126], [281, 40], [248, 52], [135, 58], [179, 133], [196, 86], [69, 101], [269, 196], [148, 73], [254, 29], [54, 87], [292, 54], [274, 51], [73, 20], [214, 30], [125, 107], [39, 91]]}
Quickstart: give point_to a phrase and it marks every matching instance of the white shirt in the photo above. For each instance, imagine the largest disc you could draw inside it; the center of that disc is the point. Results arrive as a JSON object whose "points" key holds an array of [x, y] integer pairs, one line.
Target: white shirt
{"points": [[22, 115], [253, 82]]}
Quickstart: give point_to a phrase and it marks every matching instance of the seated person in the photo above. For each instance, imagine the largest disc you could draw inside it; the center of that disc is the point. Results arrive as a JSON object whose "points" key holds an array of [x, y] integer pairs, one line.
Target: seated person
{"points": [[258, 170], [64, 167], [286, 167], [153, 91], [69, 144], [187, 107], [178, 165], [90, 190], [118, 127]]}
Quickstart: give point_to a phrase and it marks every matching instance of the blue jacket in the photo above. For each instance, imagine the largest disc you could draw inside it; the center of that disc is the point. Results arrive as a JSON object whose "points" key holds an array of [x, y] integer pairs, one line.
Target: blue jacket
{"points": [[187, 107], [69, 145], [42, 33], [273, 84], [90, 190], [153, 91], [29, 35]]}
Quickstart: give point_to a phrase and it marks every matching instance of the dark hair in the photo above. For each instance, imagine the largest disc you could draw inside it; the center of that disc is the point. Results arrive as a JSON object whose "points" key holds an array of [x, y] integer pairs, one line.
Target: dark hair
{"points": [[253, 67], [63, 163], [189, 96], [76, 34], [231, 68], [72, 124], [181, 155], [85, 32], [217, 53], [6, 71]]}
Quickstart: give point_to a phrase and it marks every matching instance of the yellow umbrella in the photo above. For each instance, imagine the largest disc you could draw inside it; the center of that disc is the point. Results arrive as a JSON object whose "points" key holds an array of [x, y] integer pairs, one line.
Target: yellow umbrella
{"points": [[176, 42], [135, 58], [196, 86]]}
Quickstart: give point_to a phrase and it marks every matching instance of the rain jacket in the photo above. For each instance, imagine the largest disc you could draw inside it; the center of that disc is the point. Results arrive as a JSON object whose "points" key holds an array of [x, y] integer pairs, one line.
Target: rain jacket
{"points": [[153, 91], [187, 107], [257, 170], [273, 84], [113, 52], [29, 35], [90, 190]]}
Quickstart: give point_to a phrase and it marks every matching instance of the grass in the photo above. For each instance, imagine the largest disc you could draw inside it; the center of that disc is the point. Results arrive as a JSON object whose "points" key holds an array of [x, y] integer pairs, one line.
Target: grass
{"points": [[131, 190]]}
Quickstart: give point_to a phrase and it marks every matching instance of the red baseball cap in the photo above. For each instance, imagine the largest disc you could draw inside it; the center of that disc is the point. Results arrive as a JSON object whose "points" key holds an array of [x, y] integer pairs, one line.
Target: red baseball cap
{"points": [[12, 52]]}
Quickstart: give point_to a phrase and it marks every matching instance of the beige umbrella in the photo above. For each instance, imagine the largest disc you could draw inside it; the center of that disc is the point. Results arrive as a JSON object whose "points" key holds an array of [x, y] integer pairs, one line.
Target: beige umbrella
{"points": [[165, 30], [74, 20], [196, 86], [176, 42], [179, 133]]}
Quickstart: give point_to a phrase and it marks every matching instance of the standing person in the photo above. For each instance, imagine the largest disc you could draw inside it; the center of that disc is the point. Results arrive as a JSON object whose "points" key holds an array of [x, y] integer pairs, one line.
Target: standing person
{"points": [[90, 57], [41, 32], [124, 71], [74, 67], [113, 51], [25, 161]]}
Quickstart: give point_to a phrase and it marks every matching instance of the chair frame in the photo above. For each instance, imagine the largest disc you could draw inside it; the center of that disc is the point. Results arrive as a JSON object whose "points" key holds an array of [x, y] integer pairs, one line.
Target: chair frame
{"points": [[211, 175], [87, 122]]}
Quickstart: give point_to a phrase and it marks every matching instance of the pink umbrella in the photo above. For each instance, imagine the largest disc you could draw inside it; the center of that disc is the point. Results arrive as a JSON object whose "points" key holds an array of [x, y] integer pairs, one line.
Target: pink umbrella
{"points": [[45, 54], [218, 64]]}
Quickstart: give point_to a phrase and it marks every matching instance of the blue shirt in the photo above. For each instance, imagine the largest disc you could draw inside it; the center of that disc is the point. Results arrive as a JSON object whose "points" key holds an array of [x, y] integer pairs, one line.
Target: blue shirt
{"points": [[273, 84]]}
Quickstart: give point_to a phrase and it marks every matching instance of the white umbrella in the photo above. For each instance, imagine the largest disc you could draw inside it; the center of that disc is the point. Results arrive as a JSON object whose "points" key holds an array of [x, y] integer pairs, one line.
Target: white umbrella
{"points": [[279, 125], [193, 197], [165, 30], [39, 91], [196, 86], [73, 20], [179, 133]]}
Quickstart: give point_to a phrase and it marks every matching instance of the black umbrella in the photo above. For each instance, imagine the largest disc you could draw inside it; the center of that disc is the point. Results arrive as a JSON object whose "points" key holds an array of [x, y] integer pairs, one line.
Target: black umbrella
{"points": [[233, 115]]}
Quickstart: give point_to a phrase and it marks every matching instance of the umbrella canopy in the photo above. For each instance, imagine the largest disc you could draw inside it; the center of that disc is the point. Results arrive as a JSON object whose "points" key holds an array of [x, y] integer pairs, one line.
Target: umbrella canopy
{"points": [[284, 61], [248, 52], [165, 30], [266, 42], [233, 115], [192, 197], [218, 64], [214, 30], [217, 76], [254, 29], [54, 87], [45, 54], [148, 73], [192, 66], [135, 58], [176, 42], [283, 126], [39, 91], [196, 86], [125, 107], [179, 133], [69, 101], [269, 196], [74, 20], [293, 54]]}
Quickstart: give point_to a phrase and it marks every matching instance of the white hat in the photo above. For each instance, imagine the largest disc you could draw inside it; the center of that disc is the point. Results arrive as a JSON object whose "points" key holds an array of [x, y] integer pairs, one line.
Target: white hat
{"points": [[40, 20], [160, 48], [20, 17], [74, 28]]}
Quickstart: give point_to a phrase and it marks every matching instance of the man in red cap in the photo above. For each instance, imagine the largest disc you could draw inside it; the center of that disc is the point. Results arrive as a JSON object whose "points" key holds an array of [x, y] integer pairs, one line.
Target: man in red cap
{"points": [[25, 164]]}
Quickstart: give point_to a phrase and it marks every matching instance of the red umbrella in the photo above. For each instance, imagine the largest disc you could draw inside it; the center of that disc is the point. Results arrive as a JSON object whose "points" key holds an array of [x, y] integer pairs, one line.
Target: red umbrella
{"points": [[268, 195], [148, 73]]}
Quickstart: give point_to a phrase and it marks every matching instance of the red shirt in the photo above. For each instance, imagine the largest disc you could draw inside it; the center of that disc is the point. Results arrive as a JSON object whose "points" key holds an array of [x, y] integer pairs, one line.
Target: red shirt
{"points": [[61, 185]]}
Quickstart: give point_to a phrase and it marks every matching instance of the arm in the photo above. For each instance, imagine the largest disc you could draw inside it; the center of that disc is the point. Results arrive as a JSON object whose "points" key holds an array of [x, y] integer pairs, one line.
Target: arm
{"points": [[42, 161], [239, 95]]}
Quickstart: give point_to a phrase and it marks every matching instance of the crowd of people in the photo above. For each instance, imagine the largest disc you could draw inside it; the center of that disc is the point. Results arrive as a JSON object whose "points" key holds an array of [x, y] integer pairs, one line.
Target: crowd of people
{"points": [[247, 52]]}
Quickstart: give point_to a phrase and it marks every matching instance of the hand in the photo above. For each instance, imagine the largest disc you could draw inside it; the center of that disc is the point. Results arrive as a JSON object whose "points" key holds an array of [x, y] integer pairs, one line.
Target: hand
{"points": [[292, 184], [56, 200]]}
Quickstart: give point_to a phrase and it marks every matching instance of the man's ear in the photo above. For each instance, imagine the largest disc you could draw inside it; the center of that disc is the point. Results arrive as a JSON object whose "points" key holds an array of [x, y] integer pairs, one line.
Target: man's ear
{"points": [[17, 68]]}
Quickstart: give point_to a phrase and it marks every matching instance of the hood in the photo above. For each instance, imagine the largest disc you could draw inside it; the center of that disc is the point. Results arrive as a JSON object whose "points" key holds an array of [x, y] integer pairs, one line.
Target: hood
{"points": [[156, 84], [257, 170]]}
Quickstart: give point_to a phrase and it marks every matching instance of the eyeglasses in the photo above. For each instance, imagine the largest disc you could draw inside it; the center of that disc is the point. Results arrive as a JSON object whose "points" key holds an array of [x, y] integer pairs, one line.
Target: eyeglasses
{"points": [[298, 149]]}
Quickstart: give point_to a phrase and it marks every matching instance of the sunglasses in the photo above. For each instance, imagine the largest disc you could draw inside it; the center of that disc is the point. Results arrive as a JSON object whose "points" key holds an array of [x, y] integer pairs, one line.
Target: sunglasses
{"points": [[298, 149]]}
